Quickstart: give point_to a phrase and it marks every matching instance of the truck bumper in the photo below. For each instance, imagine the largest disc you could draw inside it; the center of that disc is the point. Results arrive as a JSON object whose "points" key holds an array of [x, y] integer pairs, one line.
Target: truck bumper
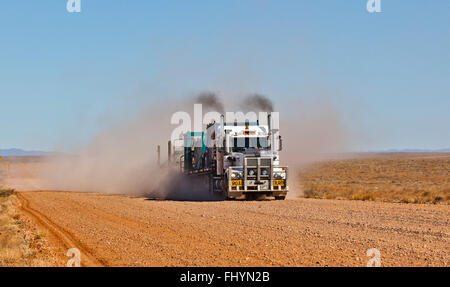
{"points": [[272, 192]]}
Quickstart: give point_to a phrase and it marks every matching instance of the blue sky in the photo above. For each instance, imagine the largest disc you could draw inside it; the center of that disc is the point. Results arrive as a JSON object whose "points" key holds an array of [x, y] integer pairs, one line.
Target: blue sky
{"points": [[62, 75]]}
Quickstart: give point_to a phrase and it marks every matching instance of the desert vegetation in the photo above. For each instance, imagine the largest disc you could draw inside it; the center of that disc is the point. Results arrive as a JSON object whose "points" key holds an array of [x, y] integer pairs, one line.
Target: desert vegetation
{"points": [[16, 242], [406, 178]]}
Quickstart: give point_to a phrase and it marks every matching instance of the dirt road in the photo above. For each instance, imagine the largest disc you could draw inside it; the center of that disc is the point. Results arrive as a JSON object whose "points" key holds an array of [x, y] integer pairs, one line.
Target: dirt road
{"points": [[114, 230]]}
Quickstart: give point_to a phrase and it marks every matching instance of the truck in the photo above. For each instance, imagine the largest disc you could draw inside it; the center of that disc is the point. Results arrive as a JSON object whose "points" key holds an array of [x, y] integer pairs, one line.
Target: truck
{"points": [[238, 160]]}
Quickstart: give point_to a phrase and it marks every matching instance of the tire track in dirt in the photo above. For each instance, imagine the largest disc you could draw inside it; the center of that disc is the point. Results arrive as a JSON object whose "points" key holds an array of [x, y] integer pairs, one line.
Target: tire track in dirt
{"points": [[122, 222], [88, 258]]}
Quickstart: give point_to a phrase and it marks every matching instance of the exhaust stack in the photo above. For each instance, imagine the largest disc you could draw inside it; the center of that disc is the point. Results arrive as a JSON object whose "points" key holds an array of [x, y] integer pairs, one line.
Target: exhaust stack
{"points": [[169, 152], [271, 136], [158, 150]]}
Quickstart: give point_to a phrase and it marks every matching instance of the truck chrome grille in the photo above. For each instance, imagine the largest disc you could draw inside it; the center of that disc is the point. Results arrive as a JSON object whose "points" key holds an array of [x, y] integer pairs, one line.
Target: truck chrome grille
{"points": [[266, 162], [252, 162]]}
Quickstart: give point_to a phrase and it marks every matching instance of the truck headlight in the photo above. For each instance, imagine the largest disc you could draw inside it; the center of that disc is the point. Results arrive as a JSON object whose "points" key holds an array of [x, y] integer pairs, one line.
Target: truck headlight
{"points": [[264, 172], [252, 172]]}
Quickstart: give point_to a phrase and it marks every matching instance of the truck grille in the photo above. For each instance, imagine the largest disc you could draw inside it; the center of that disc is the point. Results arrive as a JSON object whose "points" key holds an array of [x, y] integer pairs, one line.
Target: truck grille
{"points": [[252, 162], [266, 162], [258, 168]]}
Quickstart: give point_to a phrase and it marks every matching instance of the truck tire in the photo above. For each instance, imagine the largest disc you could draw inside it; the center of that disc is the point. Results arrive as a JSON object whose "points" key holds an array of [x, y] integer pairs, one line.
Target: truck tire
{"points": [[280, 197]]}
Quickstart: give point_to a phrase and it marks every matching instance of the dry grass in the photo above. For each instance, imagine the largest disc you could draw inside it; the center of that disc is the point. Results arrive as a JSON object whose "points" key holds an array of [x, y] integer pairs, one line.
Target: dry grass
{"points": [[15, 247], [407, 178]]}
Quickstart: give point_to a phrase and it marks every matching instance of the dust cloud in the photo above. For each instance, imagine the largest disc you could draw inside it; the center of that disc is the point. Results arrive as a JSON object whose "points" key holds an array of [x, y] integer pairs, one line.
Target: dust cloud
{"points": [[123, 158], [312, 132]]}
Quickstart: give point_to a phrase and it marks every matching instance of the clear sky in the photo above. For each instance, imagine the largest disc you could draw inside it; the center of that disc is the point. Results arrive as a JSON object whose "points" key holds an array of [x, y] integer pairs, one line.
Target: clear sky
{"points": [[61, 74]]}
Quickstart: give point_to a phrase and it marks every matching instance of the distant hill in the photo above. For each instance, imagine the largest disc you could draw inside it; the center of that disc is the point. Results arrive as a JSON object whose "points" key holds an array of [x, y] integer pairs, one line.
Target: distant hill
{"points": [[21, 152]]}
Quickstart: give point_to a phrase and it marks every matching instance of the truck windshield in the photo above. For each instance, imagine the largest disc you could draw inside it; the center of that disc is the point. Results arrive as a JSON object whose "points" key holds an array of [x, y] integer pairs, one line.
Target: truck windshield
{"points": [[243, 143]]}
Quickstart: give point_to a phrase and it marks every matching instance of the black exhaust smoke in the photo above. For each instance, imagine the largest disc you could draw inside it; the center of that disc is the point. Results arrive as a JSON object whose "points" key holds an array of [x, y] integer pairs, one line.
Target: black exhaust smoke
{"points": [[210, 101], [257, 103]]}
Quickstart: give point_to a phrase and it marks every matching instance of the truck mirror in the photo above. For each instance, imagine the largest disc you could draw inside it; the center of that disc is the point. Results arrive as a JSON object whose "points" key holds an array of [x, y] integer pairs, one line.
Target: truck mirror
{"points": [[280, 145]]}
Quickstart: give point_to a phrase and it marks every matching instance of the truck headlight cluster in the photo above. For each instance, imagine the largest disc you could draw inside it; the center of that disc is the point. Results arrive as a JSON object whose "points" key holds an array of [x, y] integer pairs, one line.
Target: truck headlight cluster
{"points": [[252, 172], [279, 175], [264, 171], [236, 175]]}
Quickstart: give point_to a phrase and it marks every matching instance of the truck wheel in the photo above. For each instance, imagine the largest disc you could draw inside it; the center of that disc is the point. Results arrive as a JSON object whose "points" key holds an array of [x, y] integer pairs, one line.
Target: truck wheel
{"points": [[280, 197]]}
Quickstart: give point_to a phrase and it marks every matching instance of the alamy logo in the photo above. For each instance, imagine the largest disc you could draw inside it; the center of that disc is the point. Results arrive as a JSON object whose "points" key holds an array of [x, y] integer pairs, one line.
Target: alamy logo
{"points": [[375, 259], [374, 6], [75, 261], [186, 124], [73, 6]]}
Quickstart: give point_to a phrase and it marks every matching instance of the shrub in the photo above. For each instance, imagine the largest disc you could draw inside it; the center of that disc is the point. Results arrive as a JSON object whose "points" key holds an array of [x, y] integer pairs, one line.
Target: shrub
{"points": [[6, 192]]}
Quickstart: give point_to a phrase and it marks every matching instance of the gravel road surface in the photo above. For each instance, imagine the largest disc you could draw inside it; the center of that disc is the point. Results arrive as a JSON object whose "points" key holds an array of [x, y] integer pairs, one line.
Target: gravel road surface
{"points": [[115, 230]]}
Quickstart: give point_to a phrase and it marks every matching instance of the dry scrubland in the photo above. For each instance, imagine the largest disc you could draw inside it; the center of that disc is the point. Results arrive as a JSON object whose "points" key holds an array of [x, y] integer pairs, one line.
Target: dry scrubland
{"points": [[19, 246], [402, 177], [21, 242]]}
